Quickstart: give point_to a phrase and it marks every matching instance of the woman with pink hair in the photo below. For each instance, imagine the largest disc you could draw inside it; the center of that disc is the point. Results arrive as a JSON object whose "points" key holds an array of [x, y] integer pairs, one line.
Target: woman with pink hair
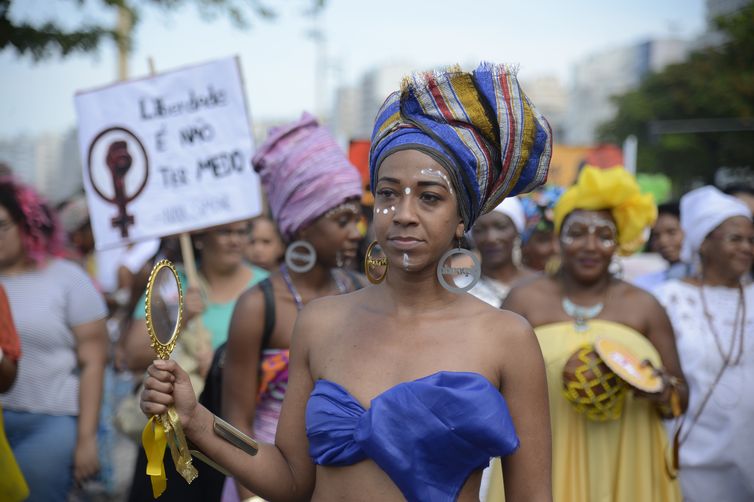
{"points": [[51, 412]]}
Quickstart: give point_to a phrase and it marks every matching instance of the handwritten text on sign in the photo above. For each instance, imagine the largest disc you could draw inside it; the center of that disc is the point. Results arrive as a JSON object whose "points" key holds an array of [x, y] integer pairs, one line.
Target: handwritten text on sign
{"points": [[167, 154]]}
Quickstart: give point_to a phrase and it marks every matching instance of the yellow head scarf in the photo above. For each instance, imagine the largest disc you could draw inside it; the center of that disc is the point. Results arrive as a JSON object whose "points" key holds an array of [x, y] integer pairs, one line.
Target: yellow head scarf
{"points": [[616, 190]]}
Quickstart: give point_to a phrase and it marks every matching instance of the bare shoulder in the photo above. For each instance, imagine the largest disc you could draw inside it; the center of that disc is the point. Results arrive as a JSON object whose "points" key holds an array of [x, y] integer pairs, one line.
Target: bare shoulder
{"points": [[638, 297], [504, 326], [326, 314], [334, 305], [251, 300], [512, 326], [530, 292]]}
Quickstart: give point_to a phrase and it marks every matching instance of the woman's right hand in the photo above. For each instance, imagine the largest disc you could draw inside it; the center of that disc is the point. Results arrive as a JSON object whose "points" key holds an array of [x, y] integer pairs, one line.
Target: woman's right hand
{"points": [[166, 384], [194, 302]]}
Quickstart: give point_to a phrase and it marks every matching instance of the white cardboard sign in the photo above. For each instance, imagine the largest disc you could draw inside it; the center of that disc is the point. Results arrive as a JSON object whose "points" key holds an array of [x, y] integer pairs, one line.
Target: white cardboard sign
{"points": [[167, 154]]}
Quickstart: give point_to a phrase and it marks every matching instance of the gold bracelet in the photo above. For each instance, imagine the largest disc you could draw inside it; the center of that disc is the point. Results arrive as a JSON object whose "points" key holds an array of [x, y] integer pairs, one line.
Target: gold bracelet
{"points": [[672, 408], [234, 436]]}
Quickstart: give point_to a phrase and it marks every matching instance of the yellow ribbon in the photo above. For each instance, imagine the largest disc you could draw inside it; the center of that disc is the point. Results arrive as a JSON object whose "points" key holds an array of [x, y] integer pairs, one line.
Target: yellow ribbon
{"points": [[160, 432], [154, 440]]}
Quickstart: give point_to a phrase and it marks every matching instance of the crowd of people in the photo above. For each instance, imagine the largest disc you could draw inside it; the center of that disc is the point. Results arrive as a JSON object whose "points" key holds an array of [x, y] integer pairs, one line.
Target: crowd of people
{"points": [[457, 353]]}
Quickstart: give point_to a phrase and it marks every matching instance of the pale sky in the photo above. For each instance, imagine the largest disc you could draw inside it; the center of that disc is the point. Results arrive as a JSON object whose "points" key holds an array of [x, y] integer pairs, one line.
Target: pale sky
{"points": [[544, 37]]}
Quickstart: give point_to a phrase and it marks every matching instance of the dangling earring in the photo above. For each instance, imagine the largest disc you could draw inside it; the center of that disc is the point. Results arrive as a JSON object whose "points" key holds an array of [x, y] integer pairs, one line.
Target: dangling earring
{"points": [[470, 276], [616, 267], [300, 256], [370, 263], [552, 267], [516, 253]]}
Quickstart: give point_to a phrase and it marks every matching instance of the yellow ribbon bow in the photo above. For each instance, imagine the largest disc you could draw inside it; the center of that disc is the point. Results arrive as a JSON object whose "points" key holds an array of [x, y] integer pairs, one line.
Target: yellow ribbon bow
{"points": [[161, 431]]}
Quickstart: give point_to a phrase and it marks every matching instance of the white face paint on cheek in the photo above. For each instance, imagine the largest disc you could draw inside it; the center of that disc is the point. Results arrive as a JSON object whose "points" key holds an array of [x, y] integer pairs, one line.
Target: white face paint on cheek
{"points": [[384, 211], [392, 208]]}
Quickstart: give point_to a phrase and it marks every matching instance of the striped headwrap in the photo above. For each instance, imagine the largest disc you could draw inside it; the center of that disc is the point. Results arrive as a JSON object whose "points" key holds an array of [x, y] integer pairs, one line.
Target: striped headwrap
{"points": [[479, 126], [304, 173]]}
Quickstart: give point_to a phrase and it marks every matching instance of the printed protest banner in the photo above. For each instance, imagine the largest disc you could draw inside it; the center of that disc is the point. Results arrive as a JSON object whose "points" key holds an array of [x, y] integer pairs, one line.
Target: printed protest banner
{"points": [[167, 154]]}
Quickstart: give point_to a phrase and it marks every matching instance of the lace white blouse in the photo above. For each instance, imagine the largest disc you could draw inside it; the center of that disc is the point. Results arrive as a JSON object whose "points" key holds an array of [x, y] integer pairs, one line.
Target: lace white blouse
{"points": [[717, 452]]}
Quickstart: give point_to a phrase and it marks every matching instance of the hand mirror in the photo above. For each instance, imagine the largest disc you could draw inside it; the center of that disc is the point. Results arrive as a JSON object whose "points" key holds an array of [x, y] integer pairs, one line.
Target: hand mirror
{"points": [[164, 308]]}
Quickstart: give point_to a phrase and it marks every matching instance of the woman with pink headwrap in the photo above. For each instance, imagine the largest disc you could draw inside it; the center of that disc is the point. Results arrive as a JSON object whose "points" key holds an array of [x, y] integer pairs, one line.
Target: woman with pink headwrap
{"points": [[313, 192]]}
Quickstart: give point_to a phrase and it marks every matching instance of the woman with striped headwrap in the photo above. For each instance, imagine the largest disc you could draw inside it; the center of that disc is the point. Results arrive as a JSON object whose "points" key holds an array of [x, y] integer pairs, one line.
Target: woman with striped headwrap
{"points": [[396, 391]]}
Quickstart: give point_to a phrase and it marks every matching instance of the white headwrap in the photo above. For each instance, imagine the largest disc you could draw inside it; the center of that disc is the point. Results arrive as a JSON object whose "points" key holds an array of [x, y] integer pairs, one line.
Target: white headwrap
{"points": [[702, 211], [513, 209]]}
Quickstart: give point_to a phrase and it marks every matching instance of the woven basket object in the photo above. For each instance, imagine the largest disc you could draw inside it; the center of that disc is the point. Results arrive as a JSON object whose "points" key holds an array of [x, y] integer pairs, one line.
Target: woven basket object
{"points": [[591, 387]]}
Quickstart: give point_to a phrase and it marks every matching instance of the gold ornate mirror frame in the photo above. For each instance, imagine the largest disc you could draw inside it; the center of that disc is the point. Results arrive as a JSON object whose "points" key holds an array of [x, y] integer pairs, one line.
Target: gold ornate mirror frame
{"points": [[163, 350]]}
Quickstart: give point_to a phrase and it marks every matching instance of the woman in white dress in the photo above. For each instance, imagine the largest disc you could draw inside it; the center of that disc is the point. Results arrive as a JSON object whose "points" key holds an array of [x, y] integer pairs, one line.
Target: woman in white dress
{"points": [[713, 318]]}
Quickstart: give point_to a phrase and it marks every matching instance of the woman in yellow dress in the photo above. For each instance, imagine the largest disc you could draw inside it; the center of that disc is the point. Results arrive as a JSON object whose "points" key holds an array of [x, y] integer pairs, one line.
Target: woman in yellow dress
{"points": [[613, 446]]}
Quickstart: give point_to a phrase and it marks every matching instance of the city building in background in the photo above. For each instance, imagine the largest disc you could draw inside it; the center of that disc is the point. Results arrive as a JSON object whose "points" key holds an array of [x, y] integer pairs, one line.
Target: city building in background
{"points": [[599, 77]]}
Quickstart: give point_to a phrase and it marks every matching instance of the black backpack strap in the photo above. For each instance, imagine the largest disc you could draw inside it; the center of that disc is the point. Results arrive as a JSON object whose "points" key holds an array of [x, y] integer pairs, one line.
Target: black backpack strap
{"points": [[269, 312]]}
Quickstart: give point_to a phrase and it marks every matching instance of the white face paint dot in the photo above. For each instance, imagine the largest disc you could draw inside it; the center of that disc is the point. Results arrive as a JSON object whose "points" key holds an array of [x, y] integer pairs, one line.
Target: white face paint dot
{"points": [[407, 191], [384, 211], [439, 174], [392, 208]]}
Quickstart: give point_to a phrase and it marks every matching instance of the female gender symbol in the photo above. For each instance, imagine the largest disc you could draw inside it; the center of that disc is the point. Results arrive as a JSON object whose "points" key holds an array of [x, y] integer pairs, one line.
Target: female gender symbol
{"points": [[113, 144]]}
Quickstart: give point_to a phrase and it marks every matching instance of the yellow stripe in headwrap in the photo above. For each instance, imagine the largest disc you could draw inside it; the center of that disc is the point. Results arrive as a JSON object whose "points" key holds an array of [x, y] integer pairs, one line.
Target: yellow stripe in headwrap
{"points": [[616, 190]]}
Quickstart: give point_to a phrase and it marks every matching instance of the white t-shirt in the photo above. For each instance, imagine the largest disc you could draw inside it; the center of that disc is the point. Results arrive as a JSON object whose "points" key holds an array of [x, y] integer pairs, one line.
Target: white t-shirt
{"points": [[46, 303]]}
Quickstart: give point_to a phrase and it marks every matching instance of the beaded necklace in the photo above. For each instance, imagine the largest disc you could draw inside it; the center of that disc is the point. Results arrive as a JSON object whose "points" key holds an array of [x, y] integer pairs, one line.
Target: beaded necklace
{"points": [[739, 325]]}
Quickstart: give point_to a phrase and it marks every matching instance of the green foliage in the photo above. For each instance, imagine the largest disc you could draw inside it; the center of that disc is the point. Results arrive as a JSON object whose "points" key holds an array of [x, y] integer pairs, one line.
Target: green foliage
{"points": [[713, 83], [48, 40]]}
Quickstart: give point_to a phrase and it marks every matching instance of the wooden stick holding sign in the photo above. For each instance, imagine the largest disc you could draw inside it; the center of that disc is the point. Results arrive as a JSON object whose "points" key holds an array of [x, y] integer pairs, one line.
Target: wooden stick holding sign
{"points": [[187, 250], [203, 350]]}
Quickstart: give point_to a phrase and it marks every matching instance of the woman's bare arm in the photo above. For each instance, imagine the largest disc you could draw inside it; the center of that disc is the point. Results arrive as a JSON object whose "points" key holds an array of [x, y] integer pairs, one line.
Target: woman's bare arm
{"points": [[241, 370], [527, 472], [660, 333], [8, 370], [283, 471], [136, 347], [91, 352]]}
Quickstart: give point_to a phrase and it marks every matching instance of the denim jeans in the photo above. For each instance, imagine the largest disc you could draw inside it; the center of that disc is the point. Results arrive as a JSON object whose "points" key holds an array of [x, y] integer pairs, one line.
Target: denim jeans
{"points": [[43, 446]]}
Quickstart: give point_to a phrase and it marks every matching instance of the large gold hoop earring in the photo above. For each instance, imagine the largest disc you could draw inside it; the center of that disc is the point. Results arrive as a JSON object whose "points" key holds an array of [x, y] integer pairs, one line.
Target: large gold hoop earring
{"points": [[370, 263]]}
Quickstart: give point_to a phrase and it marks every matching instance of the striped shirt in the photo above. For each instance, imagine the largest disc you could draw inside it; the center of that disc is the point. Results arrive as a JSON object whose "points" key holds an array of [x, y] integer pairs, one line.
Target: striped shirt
{"points": [[46, 303]]}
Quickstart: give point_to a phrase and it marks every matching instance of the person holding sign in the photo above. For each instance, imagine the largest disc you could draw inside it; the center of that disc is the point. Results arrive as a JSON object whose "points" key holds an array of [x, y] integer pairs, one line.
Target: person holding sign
{"points": [[314, 193], [608, 443], [51, 412], [406, 389]]}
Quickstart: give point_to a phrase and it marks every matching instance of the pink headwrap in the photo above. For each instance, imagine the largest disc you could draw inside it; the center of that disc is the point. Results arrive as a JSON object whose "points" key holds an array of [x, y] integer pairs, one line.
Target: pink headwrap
{"points": [[304, 173]]}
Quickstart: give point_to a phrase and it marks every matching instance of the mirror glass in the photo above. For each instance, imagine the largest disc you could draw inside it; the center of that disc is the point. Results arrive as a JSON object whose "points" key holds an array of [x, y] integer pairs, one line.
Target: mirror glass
{"points": [[164, 308], [164, 305]]}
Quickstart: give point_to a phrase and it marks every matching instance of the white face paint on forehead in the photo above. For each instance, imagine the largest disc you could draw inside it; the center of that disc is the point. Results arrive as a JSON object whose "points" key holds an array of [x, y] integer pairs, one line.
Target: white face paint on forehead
{"points": [[438, 174], [578, 226], [407, 190]]}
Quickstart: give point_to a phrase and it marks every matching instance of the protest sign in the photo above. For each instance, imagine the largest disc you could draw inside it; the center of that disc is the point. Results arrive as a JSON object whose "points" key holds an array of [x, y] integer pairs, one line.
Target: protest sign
{"points": [[167, 154]]}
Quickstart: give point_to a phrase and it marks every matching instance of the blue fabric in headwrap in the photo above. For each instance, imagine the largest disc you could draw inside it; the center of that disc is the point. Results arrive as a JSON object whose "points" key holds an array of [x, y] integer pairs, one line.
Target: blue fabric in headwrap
{"points": [[480, 126]]}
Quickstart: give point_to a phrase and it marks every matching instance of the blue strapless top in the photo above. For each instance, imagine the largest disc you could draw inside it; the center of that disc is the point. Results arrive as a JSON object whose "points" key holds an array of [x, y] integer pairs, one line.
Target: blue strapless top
{"points": [[428, 435]]}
